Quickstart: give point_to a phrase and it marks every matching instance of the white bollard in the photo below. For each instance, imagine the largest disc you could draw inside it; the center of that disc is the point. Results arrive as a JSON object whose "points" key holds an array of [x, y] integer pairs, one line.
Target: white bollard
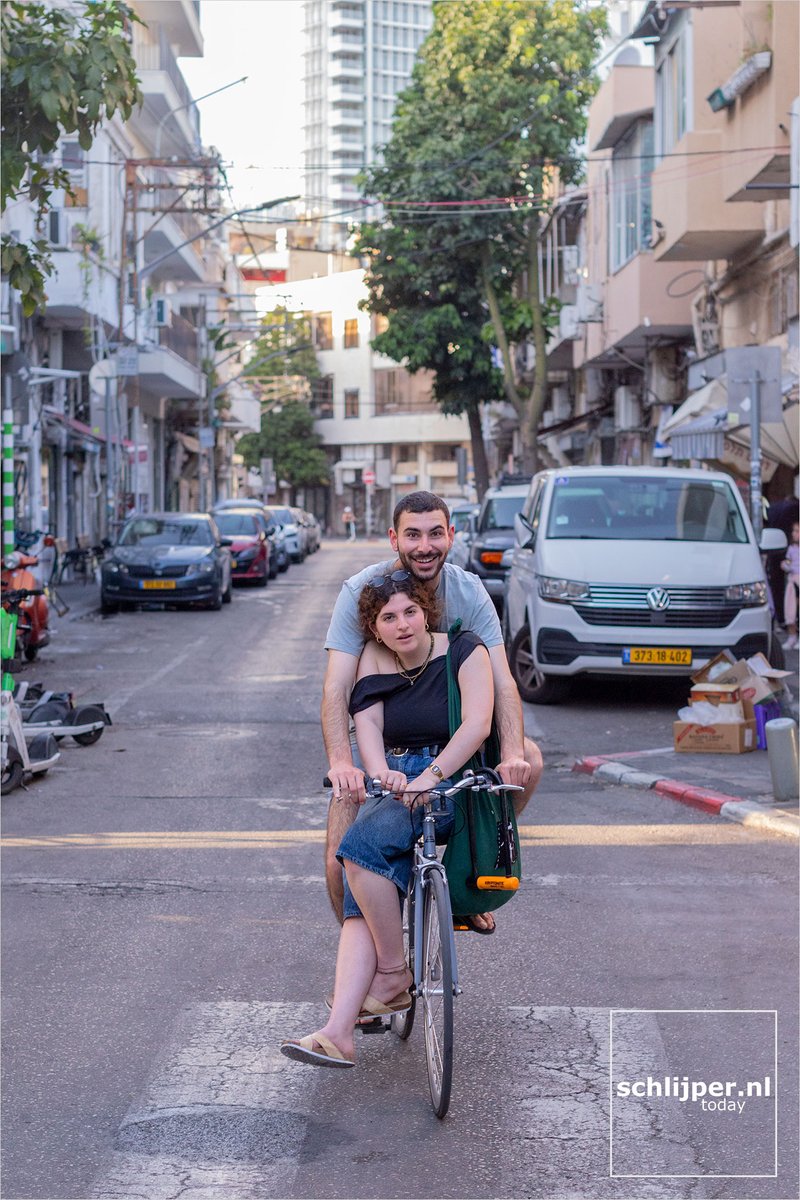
{"points": [[783, 759]]}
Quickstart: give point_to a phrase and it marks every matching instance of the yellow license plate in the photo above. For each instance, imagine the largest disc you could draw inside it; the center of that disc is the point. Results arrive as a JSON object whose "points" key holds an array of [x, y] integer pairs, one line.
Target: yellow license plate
{"points": [[158, 584], [234, 564], [657, 656]]}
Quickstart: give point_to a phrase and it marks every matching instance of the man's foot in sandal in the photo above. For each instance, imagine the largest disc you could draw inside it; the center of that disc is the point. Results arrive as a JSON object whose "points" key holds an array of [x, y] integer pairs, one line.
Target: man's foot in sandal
{"points": [[476, 923], [317, 1050]]}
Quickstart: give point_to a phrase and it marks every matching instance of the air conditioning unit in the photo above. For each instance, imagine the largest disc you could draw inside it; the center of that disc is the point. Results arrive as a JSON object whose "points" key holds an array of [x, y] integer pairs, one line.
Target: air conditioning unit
{"points": [[569, 264], [627, 409], [590, 302], [569, 326], [58, 229], [162, 311]]}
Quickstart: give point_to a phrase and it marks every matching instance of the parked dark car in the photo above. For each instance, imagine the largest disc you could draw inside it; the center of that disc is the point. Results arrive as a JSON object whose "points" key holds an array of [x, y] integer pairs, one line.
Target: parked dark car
{"points": [[176, 558], [244, 529], [494, 535]]}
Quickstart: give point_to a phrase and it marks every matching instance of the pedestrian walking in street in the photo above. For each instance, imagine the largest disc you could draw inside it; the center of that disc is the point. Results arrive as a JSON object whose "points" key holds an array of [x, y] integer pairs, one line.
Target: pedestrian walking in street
{"points": [[420, 537], [791, 565], [399, 700], [349, 522]]}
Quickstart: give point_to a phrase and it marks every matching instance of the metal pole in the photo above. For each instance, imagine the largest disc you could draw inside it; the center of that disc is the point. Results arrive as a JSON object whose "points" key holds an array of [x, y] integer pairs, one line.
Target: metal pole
{"points": [[368, 513], [8, 470], [109, 461], [756, 510]]}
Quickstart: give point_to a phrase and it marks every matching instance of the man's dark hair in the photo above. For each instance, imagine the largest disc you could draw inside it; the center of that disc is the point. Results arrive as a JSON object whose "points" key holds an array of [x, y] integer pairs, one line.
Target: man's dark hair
{"points": [[420, 502]]}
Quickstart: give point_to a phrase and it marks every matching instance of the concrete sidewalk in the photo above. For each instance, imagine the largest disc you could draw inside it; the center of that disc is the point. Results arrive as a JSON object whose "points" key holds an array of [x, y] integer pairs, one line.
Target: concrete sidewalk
{"points": [[81, 599], [737, 787]]}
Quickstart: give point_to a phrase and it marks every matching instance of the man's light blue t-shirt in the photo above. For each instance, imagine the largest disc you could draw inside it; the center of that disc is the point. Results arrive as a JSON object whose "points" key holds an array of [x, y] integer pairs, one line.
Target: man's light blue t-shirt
{"points": [[462, 595]]}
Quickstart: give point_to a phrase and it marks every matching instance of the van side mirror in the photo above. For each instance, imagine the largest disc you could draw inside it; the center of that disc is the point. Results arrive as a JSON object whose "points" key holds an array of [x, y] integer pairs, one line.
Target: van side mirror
{"points": [[524, 532], [772, 539]]}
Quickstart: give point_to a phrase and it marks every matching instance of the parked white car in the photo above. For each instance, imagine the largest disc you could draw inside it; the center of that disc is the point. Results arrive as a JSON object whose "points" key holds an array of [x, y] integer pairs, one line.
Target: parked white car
{"points": [[633, 570]]}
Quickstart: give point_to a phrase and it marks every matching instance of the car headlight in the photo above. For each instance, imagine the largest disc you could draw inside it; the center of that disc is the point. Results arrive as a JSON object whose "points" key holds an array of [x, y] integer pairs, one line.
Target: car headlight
{"points": [[115, 568], [749, 595], [206, 566], [563, 590]]}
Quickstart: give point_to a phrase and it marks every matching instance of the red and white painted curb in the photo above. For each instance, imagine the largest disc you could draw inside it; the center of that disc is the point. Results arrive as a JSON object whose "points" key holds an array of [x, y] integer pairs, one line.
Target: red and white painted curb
{"points": [[733, 808]]}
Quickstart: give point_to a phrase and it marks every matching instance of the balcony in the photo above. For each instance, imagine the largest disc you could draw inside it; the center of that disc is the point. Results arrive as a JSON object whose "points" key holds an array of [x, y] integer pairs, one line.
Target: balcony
{"points": [[346, 17], [167, 97], [637, 306], [346, 143], [180, 20], [345, 91], [180, 336], [625, 96], [345, 70], [343, 43], [690, 206]]}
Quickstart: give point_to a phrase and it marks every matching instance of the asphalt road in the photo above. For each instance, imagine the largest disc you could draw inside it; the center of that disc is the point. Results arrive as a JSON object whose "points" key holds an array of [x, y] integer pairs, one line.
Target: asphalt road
{"points": [[165, 925]]}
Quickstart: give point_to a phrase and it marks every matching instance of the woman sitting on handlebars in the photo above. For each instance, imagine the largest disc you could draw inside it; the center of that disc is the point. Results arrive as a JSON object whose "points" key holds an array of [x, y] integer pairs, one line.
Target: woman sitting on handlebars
{"points": [[399, 704]]}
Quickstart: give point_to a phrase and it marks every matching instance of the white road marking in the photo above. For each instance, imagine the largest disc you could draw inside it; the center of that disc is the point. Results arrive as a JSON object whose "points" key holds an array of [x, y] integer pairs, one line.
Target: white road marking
{"points": [[117, 701], [225, 1114]]}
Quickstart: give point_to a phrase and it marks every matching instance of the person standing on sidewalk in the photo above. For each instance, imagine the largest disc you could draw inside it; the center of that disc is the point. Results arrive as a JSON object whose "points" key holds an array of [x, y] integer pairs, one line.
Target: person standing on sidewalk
{"points": [[791, 565], [349, 522]]}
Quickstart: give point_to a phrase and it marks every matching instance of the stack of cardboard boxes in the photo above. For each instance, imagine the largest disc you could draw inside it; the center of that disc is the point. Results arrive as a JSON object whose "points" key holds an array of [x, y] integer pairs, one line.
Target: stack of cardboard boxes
{"points": [[747, 694]]}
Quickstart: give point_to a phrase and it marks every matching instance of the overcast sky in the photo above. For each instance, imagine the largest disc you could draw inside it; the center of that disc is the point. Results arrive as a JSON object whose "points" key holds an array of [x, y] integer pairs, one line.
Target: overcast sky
{"points": [[257, 125]]}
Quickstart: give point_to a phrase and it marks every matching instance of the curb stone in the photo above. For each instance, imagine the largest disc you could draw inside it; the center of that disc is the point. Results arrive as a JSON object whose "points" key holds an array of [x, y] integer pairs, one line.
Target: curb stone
{"points": [[732, 808]]}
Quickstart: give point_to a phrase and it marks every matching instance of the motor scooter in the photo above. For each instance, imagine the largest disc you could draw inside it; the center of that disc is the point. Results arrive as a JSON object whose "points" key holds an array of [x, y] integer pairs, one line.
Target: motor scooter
{"points": [[33, 630]]}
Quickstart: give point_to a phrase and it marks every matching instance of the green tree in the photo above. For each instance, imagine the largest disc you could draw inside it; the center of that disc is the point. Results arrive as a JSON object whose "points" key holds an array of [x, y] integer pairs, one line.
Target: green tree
{"points": [[284, 351], [287, 437], [495, 110], [63, 72]]}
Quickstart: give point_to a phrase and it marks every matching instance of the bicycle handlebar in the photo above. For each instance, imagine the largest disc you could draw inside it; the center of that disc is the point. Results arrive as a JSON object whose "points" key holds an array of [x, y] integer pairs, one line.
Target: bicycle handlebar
{"points": [[486, 780], [14, 595]]}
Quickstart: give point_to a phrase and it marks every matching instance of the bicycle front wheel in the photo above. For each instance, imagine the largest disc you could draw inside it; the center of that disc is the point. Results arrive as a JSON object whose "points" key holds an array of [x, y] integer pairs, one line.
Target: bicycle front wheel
{"points": [[403, 1023], [437, 991]]}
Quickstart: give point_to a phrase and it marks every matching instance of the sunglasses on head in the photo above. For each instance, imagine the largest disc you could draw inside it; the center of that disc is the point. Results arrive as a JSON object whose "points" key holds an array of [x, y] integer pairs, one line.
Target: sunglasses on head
{"points": [[395, 577]]}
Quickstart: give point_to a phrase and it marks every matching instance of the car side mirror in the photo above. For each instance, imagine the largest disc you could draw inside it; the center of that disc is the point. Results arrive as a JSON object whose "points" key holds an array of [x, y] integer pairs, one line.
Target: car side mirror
{"points": [[772, 539], [225, 541], [524, 532]]}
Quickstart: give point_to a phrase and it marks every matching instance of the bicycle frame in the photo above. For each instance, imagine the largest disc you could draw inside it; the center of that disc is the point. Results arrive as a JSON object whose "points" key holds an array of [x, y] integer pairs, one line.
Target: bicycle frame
{"points": [[425, 862]]}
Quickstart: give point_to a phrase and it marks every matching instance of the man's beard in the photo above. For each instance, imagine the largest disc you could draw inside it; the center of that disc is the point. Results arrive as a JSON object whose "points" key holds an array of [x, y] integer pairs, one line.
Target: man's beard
{"points": [[432, 569]]}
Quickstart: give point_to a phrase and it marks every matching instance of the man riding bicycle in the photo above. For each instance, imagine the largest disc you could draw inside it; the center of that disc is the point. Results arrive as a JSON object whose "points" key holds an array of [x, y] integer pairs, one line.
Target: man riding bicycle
{"points": [[421, 536]]}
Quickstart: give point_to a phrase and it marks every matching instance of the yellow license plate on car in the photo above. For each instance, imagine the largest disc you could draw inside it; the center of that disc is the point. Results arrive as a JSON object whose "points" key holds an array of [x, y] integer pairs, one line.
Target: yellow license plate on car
{"points": [[234, 564], [657, 656], [158, 584]]}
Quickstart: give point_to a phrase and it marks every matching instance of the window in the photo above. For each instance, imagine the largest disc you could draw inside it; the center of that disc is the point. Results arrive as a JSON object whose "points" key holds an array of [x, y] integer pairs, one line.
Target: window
{"points": [[629, 202], [351, 334], [323, 331], [322, 397], [672, 92], [351, 402]]}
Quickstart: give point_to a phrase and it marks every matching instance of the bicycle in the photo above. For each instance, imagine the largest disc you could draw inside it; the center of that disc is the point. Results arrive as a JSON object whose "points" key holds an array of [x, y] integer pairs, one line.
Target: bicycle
{"points": [[430, 943]]}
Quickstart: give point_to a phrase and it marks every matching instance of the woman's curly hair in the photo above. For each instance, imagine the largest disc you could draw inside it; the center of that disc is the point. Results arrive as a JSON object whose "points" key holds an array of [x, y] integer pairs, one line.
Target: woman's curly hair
{"points": [[373, 597]]}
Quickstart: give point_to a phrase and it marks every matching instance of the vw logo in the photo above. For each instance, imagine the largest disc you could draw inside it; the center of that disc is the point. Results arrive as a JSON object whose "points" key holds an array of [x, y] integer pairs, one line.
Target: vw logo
{"points": [[658, 599]]}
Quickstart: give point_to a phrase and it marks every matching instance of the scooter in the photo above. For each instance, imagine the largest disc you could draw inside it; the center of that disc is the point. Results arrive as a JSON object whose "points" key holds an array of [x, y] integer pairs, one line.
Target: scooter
{"points": [[33, 630], [17, 758], [57, 713]]}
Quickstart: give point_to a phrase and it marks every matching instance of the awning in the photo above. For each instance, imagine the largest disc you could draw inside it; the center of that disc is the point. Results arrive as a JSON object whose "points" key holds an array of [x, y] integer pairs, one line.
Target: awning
{"points": [[712, 397], [700, 426], [703, 437]]}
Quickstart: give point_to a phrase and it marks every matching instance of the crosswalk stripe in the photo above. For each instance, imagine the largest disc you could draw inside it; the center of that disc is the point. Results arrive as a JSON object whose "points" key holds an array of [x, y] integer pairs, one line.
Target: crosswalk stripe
{"points": [[225, 1116]]}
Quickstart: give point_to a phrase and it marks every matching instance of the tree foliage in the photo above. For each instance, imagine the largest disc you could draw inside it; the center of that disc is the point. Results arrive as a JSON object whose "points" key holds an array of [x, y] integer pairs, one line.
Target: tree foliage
{"points": [[285, 348], [287, 437], [496, 107], [63, 71]]}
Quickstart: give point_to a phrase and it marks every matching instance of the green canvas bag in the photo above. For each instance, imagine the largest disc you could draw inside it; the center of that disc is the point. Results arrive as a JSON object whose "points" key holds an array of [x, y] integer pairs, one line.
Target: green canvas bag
{"points": [[482, 856]]}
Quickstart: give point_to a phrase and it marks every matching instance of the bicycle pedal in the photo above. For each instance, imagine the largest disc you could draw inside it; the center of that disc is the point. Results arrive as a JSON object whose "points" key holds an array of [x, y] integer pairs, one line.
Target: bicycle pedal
{"points": [[374, 1025]]}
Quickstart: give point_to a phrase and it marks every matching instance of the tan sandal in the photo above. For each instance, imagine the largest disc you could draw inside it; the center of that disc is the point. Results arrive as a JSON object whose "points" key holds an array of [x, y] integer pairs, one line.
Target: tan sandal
{"points": [[328, 1055], [373, 1007]]}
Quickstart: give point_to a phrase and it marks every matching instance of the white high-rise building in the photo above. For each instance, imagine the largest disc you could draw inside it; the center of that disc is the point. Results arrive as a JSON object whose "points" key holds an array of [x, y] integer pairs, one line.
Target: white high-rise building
{"points": [[359, 55]]}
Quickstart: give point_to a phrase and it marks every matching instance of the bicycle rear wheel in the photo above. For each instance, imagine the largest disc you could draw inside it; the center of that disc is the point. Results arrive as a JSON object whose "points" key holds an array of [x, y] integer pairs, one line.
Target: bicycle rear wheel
{"points": [[437, 991], [403, 1023]]}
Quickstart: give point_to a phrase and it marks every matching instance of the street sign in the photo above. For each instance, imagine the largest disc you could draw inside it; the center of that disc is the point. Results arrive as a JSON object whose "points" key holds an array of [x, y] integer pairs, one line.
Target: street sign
{"points": [[127, 360], [206, 437], [368, 477], [742, 363]]}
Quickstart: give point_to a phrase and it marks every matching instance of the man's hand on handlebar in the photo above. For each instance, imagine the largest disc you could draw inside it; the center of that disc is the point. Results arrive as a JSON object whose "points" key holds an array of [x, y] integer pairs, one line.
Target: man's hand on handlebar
{"points": [[514, 770], [347, 782]]}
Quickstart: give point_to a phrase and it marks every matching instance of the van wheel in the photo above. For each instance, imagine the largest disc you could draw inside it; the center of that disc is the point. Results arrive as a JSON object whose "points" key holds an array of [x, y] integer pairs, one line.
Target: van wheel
{"points": [[533, 686], [777, 658]]}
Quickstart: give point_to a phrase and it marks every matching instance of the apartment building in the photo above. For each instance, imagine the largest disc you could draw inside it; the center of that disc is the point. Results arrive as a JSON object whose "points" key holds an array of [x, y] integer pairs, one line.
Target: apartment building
{"points": [[359, 56], [681, 243], [377, 422], [110, 380]]}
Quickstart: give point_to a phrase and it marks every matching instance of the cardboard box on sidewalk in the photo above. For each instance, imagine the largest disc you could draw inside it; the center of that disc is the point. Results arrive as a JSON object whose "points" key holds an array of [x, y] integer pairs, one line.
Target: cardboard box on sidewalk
{"points": [[732, 737], [758, 682]]}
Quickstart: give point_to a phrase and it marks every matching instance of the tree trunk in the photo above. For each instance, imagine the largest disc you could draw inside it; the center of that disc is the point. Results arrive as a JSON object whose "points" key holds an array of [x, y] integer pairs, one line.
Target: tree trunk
{"points": [[509, 381], [535, 406], [479, 462]]}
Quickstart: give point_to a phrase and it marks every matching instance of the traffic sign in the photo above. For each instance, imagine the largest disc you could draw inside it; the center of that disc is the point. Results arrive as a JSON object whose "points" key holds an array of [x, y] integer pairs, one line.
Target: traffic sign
{"points": [[368, 477]]}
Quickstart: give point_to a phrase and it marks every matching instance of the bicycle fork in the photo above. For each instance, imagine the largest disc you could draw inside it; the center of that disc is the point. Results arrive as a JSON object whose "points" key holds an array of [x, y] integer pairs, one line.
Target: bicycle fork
{"points": [[425, 866]]}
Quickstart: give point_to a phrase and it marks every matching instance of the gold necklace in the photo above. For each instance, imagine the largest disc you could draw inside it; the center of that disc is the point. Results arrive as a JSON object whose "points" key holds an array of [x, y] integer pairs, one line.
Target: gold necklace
{"points": [[412, 679]]}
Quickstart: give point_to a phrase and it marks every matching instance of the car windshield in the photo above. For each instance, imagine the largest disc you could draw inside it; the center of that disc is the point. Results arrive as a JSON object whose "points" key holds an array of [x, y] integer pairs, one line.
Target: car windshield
{"points": [[151, 531], [231, 523], [460, 519], [500, 511], [283, 516], [645, 508]]}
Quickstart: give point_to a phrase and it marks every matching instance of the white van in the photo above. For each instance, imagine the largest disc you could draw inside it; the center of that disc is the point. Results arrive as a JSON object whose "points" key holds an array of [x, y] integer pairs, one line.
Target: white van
{"points": [[635, 571]]}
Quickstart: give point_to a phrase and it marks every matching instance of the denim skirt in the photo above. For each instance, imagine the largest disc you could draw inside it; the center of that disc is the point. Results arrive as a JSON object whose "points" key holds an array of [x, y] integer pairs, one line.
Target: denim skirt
{"points": [[382, 837]]}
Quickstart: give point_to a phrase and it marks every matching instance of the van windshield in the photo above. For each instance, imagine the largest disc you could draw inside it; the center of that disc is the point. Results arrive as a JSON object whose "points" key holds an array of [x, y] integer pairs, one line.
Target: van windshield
{"points": [[645, 508], [500, 511]]}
